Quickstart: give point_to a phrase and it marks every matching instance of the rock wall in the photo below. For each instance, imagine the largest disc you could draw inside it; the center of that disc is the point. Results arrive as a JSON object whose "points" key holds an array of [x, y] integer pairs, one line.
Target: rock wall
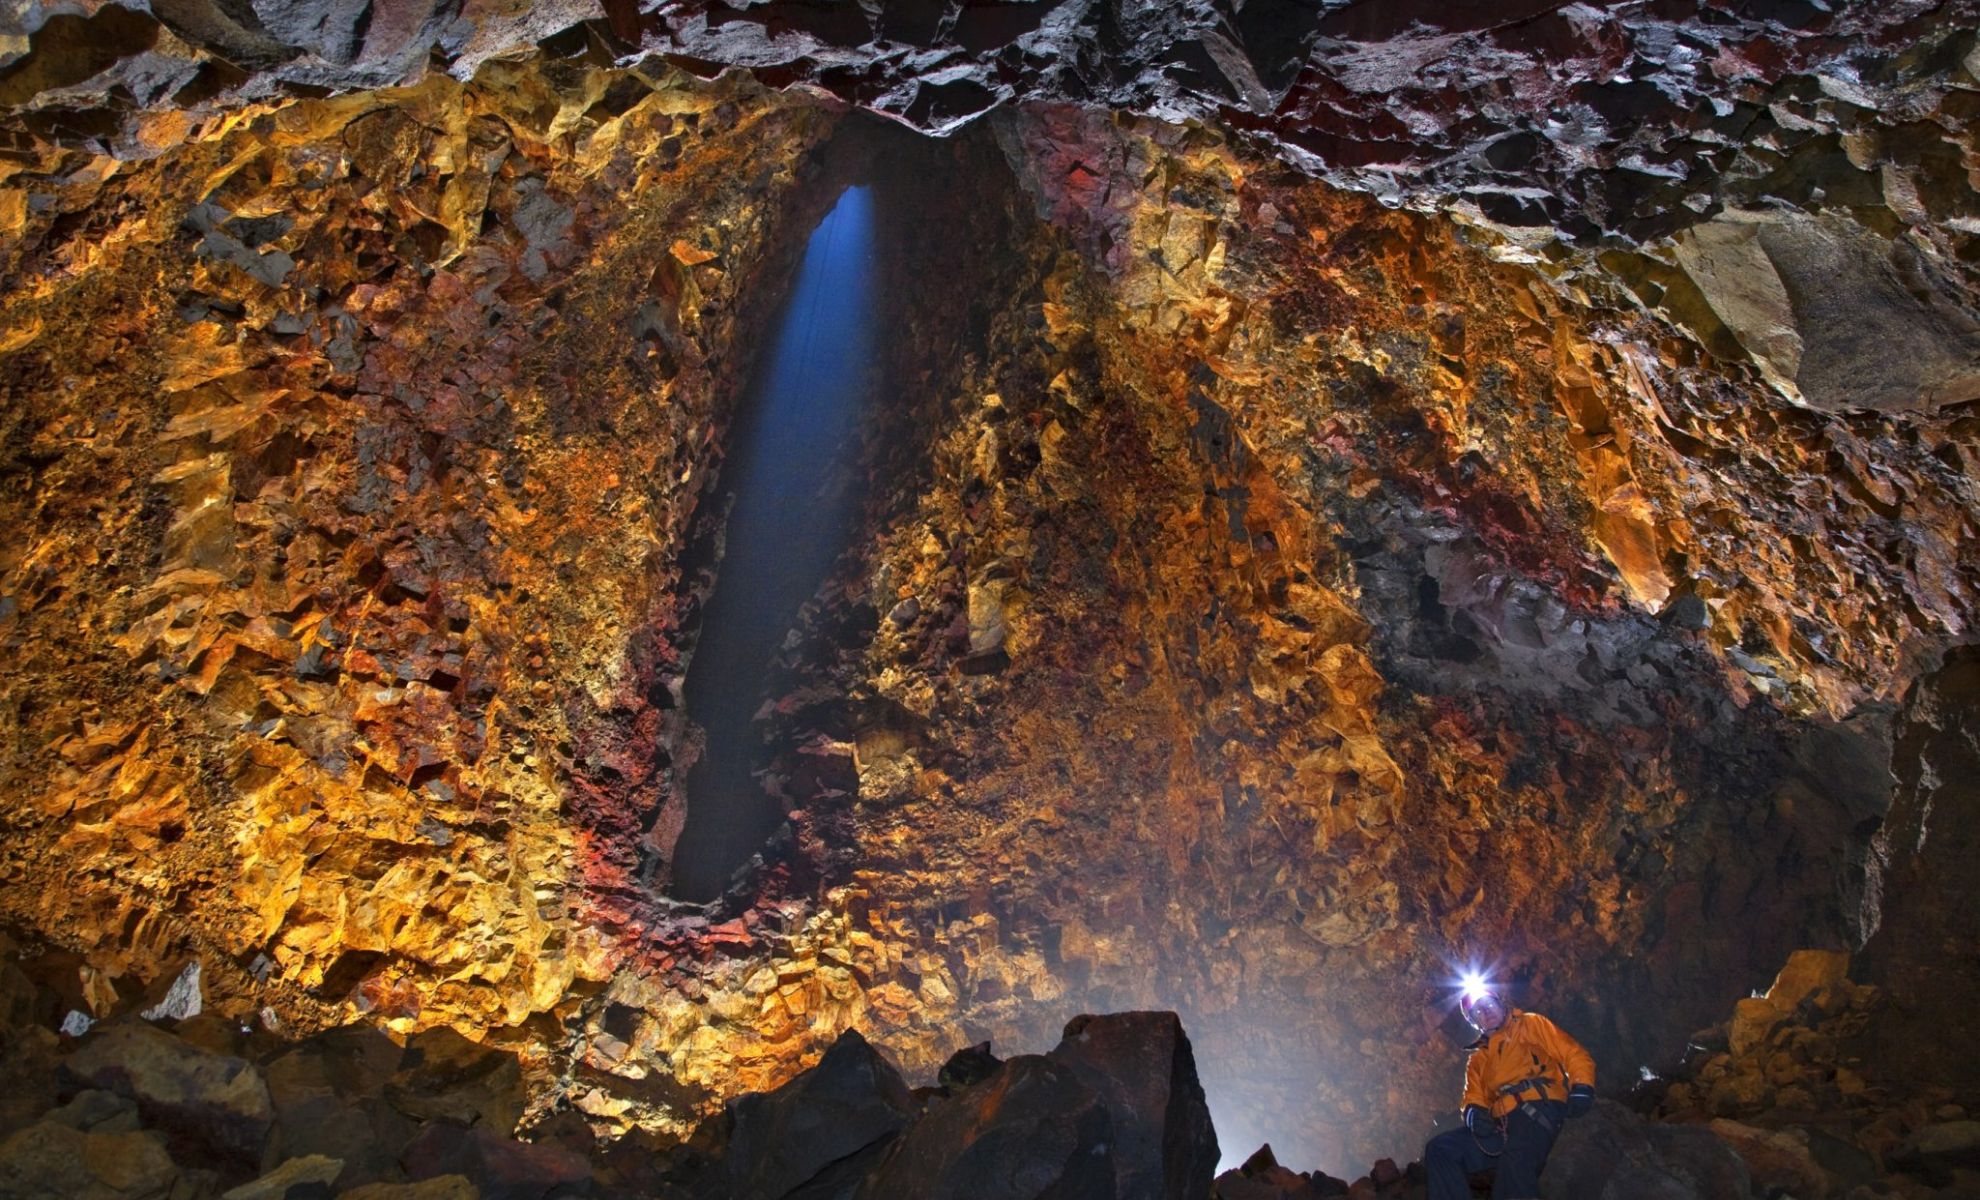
{"points": [[1272, 598], [348, 446]]}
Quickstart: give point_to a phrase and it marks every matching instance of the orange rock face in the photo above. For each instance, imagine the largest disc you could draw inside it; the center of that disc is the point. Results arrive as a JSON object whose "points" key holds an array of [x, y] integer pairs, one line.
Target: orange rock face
{"points": [[321, 473], [1268, 602]]}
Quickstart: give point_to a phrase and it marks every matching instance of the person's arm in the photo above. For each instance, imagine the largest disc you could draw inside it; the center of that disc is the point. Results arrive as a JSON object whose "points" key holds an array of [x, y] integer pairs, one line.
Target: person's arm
{"points": [[1476, 1084], [1571, 1055]]}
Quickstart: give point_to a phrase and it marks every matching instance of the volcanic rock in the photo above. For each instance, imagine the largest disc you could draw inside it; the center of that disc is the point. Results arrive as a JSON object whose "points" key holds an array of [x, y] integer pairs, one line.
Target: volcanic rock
{"points": [[1032, 1131], [968, 1066], [1835, 315], [1937, 1151], [209, 1100], [330, 1093], [1778, 1159], [445, 1076], [1613, 1154], [1140, 1064], [309, 1173], [818, 1134], [501, 1168], [1358, 484], [54, 1162], [1260, 1177], [440, 1187]]}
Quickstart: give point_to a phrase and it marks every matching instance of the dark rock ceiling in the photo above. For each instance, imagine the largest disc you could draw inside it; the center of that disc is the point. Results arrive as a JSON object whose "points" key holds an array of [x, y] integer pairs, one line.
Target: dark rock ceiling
{"points": [[1595, 117]]}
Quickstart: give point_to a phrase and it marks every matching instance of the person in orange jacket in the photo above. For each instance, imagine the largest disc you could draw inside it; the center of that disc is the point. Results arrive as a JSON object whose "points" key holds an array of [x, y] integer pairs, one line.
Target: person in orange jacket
{"points": [[1523, 1079]]}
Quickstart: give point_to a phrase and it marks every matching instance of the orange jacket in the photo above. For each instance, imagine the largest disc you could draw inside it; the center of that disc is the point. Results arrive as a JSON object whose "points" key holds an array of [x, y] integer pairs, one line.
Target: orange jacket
{"points": [[1527, 1046]]}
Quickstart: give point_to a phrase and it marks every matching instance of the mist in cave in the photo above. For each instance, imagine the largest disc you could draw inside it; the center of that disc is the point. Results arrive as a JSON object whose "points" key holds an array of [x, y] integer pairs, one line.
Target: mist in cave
{"points": [[791, 517]]}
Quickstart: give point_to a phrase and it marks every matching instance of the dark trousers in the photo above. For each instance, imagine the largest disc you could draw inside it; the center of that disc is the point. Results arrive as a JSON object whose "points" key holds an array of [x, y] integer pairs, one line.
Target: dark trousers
{"points": [[1449, 1157]]}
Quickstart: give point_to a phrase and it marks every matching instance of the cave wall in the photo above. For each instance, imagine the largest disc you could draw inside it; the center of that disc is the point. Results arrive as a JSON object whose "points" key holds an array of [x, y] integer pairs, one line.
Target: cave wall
{"points": [[348, 445], [1344, 648], [1274, 595]]}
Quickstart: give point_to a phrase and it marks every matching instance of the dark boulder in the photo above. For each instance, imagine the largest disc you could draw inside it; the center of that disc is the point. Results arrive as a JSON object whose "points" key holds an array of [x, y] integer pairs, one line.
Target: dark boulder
{"points": [[445, 1076], [968, 1066], [501, 1167], [1141, 1065], [329, 1100], [54, 1162], [212, 1102], [1935, 1152], [1614, 1154], [1032, 1131], [816, 1135]]}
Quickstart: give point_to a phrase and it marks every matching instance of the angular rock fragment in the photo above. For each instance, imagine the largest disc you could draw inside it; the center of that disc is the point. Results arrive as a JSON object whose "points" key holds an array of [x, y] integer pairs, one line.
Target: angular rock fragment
{"points": [[1032, 1131], [1613, 1154], [1141, 1065], [818, 1133], [54, 1162], [204, 1099], [307, 1173], [501, 1168], [1838, 317]]}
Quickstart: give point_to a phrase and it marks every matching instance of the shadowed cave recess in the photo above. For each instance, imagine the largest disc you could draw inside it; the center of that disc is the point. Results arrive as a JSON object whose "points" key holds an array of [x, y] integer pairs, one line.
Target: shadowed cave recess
{"points": [[650, 536]]}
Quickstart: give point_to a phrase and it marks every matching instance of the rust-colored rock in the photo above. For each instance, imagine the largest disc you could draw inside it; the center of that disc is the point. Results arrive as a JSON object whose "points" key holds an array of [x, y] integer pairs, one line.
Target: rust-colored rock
{"points": [[1270, 595]]}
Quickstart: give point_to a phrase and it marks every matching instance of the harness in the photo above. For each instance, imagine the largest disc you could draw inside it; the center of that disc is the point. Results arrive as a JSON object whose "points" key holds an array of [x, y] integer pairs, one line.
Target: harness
{"points": [[1538, 1085]]}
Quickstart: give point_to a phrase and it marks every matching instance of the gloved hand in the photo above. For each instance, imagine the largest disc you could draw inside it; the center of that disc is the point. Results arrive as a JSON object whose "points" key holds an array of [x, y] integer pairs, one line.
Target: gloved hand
{"points": [[1580, 1099], [1478, 1119]]}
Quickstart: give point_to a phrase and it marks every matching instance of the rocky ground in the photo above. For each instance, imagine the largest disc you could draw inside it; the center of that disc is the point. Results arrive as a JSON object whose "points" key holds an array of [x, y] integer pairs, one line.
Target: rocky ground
{"points": [[1291, 568], [176, 1104]]}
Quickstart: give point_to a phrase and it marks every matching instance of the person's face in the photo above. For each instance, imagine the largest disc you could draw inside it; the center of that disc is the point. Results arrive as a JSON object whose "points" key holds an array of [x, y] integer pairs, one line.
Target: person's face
{"points": [[1487, 1013]]}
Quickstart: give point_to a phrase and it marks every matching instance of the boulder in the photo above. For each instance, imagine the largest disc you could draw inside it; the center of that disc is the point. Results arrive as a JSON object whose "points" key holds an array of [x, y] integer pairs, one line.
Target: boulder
{"points": [[295, 1173], [967, 1066], [1847, 1162], [1141, 1065], [54, 1162], [1837, 317], [1032, 1131], [202, 1099], [28, 1067], [440, 1187], [1753, 1019], [501, 1167], [1778, 1158], [832, 1120], [1614, 1154], [1820, 975], [93, 1111], [445, 1076], [328, 1093], [1935, 1152]]}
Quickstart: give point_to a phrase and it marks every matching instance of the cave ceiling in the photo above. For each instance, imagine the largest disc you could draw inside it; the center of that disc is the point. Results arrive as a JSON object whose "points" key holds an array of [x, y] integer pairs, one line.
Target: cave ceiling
{"points": [[1367, 487]]}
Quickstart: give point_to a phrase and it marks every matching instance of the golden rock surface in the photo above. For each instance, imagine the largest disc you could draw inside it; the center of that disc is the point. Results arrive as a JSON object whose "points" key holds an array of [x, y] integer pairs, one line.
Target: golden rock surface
{"points": [[1289, 601]]}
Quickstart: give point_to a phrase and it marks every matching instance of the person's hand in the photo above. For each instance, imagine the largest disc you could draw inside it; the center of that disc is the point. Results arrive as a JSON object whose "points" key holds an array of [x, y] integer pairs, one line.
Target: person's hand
{"points": [[1580, 1099], [1478, 1119]]}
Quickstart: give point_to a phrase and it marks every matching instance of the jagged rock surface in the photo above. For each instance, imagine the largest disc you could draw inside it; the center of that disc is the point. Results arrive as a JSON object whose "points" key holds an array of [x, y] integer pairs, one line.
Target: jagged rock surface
{"points": [[1278, 597], [1604, 116]]}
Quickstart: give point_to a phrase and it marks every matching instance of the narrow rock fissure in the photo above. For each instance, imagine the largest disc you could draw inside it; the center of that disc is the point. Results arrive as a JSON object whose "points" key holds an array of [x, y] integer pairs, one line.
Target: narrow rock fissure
{"points": [[790, 483]]}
